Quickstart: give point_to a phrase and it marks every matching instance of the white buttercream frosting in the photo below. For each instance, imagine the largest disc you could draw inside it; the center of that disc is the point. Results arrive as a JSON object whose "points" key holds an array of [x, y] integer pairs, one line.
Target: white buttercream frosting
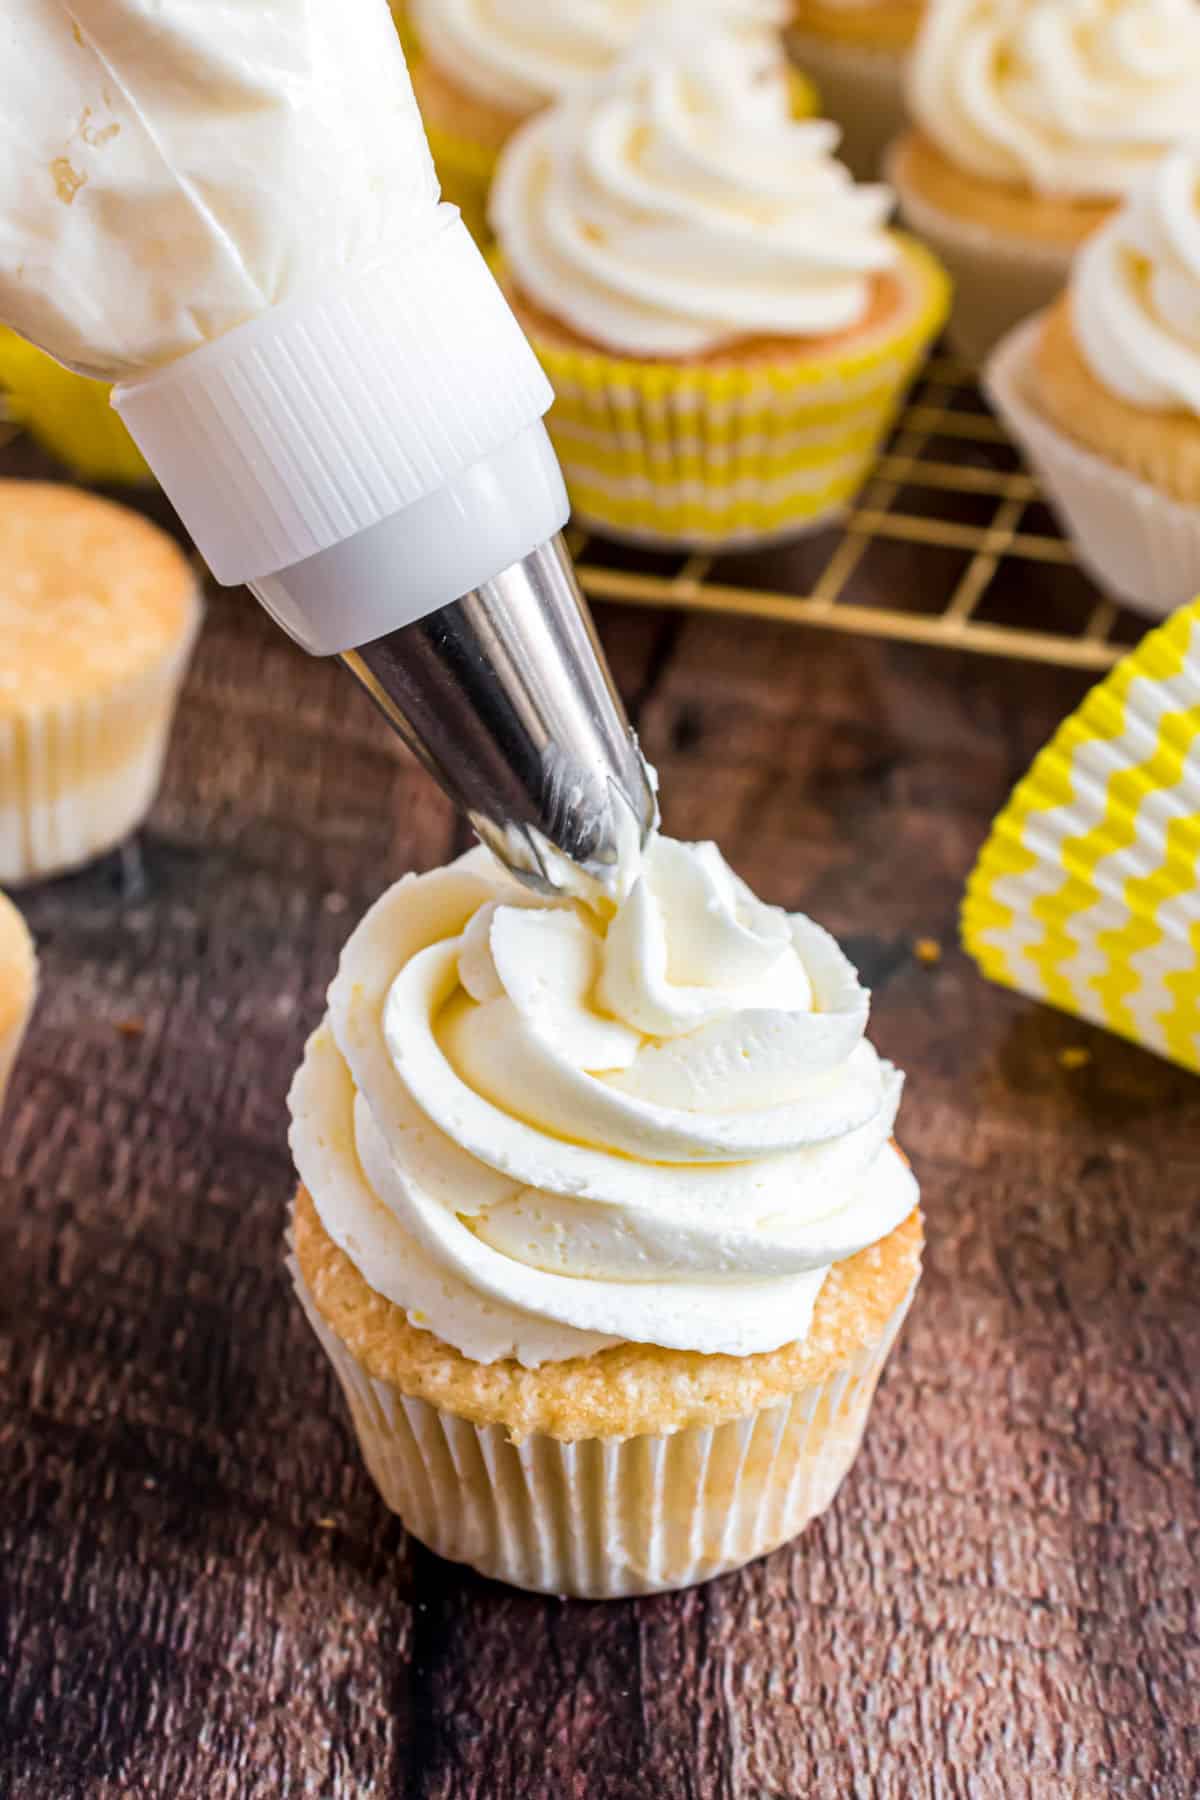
{"points": [[525, 54], [541, 1131], [1135, 292], [168, 171], [678, 206], [1075, 98]]}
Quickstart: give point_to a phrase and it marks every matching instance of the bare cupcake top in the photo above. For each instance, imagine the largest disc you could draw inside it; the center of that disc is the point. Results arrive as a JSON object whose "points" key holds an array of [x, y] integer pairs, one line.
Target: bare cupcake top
{"points": [[1074, 98]]}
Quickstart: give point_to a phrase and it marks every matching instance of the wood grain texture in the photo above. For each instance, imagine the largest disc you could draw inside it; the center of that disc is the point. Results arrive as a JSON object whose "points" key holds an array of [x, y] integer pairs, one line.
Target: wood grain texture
{"points": [[200, 1594]]}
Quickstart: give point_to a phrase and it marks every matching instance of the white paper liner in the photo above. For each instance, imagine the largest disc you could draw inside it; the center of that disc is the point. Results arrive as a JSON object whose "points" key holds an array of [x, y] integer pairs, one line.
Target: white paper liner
{"points": [[608, 1517], [861, 89], [998, 281], [63, 798], [1139, 545]]}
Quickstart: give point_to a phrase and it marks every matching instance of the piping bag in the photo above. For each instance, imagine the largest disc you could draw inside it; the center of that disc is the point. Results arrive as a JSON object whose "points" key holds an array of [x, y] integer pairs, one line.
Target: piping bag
{"points": [[228, 209]]}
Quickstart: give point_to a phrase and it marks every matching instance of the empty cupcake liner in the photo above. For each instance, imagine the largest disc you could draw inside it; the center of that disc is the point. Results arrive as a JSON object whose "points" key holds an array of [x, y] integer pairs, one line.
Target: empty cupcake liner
{"points": [[1087, 893], [606, 1517], [67, 414], [76, 779], [1139, 545], [725, 456], [861, 89], [998, 281]]}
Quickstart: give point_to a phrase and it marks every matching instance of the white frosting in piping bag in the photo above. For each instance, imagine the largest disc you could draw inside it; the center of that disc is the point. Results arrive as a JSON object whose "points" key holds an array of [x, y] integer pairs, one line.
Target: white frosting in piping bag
{"points": [[193, 165], [1069, 97], [678, 206], [1135, 292], [542, 1132]]}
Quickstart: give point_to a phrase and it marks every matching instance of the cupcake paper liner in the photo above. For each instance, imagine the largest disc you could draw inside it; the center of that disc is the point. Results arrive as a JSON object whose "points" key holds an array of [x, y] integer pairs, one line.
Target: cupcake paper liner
{"points": [[1087, 893], [718, 457], [998, 281], [1139, 545], [67, 414], [607, 1517], [75, 780], [861, 89]]}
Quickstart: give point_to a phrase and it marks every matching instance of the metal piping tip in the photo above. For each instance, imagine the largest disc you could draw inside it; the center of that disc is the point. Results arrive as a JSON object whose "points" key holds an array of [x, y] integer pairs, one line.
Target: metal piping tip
{"points": [[506, 699]]}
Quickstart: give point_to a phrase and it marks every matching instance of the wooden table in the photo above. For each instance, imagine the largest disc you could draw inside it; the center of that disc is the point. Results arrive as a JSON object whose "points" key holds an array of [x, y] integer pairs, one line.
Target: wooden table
{"points": [[203, 1596]]}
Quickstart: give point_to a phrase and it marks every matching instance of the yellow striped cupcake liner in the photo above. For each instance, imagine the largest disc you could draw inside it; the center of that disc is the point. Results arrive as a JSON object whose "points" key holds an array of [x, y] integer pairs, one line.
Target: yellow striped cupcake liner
{"points": [[67, 414], [704, 457], [1087, 893]]}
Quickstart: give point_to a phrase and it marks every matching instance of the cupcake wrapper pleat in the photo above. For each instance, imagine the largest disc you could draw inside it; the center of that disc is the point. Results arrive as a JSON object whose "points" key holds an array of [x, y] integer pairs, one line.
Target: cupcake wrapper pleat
{"points": [[1139, 545], [607, 1517], [722, 457], [997, 281], [1086, 893], [76, 779]]}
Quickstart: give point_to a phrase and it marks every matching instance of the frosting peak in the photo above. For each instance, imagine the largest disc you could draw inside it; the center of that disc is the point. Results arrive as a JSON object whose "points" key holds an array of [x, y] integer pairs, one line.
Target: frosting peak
{"points": [[1135, 292], [541, 1132], [678, 206], [1075, 98]]}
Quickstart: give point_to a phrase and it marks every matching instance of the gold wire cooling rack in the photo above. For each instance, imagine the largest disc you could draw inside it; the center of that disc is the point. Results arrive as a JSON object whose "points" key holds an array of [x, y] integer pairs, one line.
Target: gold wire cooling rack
{"points": [[950, 543]]}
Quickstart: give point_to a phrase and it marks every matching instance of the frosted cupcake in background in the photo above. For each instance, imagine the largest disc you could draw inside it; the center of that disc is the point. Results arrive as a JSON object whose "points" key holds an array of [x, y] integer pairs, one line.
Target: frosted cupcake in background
{"points": [[18, 985], [98, 613], [856, 52], [727, 321], [601, 1223], [485, 66], [1033, 119], [1103, 393]]}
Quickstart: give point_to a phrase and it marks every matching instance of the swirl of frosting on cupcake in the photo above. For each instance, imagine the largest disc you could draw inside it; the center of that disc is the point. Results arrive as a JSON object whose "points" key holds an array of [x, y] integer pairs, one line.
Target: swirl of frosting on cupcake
{"points": [[541, 1131], [522, 55], [1135, 292], [679, 207], [1072, 98]]}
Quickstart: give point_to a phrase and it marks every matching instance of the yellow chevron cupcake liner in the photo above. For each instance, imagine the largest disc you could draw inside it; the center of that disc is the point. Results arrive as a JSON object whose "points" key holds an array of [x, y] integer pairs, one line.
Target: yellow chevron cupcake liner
{"points": [[68, 415], [1087, 893], [18, 985], [725, 455]]}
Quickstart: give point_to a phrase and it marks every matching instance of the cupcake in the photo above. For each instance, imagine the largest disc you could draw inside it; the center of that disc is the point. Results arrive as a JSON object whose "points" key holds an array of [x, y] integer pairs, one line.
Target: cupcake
{"points": [[1032, 121], [482, 70], [856, 51], [98, 610], [601, 1224], [1103, 393], [18, 983], [727, 322], [67, 414]]}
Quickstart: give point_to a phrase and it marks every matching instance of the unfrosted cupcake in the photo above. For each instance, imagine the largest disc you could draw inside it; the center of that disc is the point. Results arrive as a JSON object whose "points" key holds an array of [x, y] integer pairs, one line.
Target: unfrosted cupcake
{"points": [[1033, 120], [1103, 392], [98, 612], [855, 52], [485, 66], [601, 1223], [18, 984], [728, 324]]}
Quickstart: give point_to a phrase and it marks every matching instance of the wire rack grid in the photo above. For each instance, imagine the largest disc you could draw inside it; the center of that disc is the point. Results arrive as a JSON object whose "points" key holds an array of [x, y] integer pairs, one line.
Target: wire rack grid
{"points": [[982, 565]]}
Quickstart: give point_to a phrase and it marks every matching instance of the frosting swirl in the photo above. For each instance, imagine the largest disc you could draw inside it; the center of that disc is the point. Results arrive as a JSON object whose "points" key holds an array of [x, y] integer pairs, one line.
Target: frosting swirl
{"points": [[541, 1132], [522, 55], [1075, 98], [680, 207], [1135, 292]]}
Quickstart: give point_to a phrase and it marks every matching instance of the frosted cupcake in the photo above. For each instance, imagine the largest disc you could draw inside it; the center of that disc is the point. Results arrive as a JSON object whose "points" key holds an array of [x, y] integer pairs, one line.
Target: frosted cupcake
{"points": [[1033, 120], [601, 1223], [18, 983], [98, 612], [728, 324], [856, 51], [1103, 393], [485, 66]]}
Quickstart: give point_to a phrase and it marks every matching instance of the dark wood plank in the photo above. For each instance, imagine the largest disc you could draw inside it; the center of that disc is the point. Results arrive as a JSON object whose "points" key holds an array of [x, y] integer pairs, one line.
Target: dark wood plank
{"points": [[200, 1593]]}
